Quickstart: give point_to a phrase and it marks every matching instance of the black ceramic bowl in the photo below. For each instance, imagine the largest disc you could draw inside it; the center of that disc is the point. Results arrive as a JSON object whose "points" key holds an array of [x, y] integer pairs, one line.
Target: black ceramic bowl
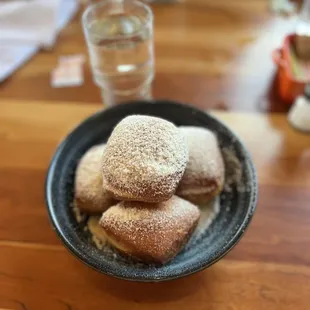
{"points": [[238, 201]]}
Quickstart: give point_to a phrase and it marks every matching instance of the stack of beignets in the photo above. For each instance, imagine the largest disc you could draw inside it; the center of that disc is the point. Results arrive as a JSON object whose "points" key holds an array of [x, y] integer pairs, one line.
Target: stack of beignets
{"points": [[144, 163]]}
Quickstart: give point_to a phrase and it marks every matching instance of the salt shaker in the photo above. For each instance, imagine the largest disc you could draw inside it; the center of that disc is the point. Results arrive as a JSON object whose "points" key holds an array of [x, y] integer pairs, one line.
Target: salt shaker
{"points": [[299, 115]]}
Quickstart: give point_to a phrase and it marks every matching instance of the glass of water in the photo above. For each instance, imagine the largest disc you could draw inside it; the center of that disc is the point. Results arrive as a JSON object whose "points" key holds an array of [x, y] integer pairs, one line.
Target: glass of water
{"points": [[119, 36]]}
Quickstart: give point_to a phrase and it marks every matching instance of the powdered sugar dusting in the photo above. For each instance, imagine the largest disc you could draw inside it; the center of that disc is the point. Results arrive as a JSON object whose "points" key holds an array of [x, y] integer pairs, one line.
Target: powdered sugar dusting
{"points": [[233, 176], [156, 230], [90, 195], [204, 174], [145, 159], [208, 213]]}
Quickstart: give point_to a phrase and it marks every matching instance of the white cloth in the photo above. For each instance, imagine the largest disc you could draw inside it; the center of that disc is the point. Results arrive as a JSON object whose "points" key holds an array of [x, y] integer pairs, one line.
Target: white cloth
{"points": [[27, 25]]}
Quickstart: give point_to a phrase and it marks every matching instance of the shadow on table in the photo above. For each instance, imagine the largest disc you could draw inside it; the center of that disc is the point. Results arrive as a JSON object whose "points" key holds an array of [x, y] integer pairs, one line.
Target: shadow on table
{"points": [[153, 292]]}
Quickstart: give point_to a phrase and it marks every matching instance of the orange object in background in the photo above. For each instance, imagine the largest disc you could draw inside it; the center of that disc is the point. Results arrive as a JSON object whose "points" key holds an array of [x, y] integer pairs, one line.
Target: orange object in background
{"points": [[289, 87]]}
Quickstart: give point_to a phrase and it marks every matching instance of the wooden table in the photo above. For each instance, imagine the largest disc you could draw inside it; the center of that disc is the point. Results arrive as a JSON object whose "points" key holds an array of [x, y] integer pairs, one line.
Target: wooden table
{"points": [[221, 59], [269, 268], [212, 53]]}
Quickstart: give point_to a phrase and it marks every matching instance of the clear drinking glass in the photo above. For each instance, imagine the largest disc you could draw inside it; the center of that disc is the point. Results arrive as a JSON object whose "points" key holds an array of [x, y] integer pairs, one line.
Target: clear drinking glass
{"points": [[119, 36]]}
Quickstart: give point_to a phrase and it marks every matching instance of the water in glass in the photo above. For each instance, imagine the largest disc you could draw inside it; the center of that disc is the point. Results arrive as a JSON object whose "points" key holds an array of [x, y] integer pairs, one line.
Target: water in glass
{"points": [[121, 55]]}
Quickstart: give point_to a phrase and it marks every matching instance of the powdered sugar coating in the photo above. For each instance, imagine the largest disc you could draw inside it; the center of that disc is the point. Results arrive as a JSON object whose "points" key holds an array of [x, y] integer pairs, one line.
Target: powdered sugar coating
{"points": [[90, 195], [151, 232], [144, 160], [204, 174]]}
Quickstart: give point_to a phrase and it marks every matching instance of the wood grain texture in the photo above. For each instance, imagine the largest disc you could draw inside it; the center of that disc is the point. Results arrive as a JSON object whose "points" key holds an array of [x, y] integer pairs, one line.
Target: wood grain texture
{"points": [[62, 283], [268, 269], [214, 54]]}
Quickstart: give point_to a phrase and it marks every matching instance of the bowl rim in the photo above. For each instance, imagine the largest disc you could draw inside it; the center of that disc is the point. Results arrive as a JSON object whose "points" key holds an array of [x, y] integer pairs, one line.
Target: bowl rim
{"points": [[253, 193]]}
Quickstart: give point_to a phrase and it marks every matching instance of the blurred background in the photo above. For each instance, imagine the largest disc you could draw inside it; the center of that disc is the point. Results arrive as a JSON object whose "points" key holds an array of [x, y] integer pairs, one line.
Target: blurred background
{"points": [[231, 55]]}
